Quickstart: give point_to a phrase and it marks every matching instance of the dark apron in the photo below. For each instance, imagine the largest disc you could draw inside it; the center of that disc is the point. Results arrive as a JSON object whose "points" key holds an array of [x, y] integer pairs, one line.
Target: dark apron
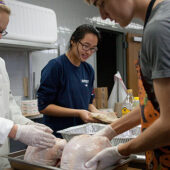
{"points": [[158, 159]]}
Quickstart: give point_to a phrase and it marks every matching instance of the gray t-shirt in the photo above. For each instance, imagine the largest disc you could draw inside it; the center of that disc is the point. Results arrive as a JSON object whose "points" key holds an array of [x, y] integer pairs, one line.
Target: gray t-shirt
{"points": [[155, 52]]}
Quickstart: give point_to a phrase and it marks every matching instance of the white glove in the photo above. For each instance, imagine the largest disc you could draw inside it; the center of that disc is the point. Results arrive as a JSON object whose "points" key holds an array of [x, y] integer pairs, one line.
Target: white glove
{"points": [[39, 124], [104, 159], [36, 136], [108, 132]]}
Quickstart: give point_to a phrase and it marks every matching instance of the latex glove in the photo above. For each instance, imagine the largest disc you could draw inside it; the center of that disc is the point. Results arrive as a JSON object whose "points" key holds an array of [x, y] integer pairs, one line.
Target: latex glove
{"points": [[36, 136], [39, 124], [104, 159], [108, 132]]}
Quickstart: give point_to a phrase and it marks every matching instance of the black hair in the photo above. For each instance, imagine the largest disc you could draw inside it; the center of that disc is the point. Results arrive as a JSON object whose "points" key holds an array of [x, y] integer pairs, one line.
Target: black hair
{"points": [[81, 31]]}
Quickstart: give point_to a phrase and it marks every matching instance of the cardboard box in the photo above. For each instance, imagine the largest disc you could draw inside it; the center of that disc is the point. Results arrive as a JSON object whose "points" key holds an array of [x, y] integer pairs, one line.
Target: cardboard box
{"points": [[101, 97], [101, 92]]}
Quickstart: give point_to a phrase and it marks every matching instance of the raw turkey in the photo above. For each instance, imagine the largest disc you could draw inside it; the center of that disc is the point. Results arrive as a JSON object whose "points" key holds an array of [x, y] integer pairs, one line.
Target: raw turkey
{"points": [[80, 149], [50, 156]]}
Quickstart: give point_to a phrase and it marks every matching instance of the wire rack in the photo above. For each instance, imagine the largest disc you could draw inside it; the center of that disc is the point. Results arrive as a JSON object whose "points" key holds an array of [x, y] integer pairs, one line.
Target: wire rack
{"points": [[116, 141], [92, 128]]}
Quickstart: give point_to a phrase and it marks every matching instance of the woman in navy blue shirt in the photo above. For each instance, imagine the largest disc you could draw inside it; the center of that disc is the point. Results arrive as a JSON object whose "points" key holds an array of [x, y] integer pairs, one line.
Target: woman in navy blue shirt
{"points": [[65, 94]]}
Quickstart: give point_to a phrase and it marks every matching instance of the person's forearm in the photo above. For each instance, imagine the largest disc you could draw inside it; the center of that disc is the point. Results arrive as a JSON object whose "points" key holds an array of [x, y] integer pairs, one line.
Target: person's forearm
{"points": [[154, 137], [158, 134], [127, 122], [13, 132], [92, 108], [54, 110]]}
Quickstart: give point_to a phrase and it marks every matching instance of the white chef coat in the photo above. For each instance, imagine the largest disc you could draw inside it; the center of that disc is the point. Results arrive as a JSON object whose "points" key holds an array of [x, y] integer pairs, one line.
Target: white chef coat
{"points": [[8, 110], [5, 127]]}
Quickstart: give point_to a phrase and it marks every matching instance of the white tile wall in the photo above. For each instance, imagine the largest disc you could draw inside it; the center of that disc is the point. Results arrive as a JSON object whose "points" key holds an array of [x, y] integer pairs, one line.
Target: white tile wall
{"points": [[17, 67], [40, 59]]}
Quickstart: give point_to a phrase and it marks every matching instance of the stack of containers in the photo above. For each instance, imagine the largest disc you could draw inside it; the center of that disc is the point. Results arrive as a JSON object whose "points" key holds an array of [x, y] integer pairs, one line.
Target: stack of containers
{"points": [[29, 107]]}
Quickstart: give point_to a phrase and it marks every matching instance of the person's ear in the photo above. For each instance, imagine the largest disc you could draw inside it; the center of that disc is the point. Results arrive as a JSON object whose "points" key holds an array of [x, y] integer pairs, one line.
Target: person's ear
{"points": [[72, 43]]}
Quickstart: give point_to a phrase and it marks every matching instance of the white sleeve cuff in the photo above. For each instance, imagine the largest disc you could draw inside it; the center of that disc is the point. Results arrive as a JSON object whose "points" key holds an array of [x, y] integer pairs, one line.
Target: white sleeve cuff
{"points": [[116, 148], [5, 128]]}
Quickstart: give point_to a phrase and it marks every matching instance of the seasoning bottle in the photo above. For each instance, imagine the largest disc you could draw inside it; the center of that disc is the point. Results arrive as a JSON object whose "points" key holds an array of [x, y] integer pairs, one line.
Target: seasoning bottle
{"points": [[127, 104]]}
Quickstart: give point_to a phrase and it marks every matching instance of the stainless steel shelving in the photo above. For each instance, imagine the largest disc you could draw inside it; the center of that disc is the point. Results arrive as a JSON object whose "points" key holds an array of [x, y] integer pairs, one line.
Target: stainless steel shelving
{"points": [[26, 45]]}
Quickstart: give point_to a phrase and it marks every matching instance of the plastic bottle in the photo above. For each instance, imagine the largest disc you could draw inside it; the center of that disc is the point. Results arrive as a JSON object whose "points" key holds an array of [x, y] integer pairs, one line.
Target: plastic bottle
{"points": [[135, 102], [127, 104]]}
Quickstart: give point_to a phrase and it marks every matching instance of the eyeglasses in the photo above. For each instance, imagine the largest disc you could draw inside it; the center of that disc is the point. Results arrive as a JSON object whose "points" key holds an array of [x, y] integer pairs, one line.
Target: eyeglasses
{"points": [[87, 48], [3, 33]]}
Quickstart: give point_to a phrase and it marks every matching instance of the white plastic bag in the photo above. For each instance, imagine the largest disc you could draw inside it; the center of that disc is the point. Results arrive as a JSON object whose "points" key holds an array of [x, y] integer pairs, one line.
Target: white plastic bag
{"points": [[118, 93]]}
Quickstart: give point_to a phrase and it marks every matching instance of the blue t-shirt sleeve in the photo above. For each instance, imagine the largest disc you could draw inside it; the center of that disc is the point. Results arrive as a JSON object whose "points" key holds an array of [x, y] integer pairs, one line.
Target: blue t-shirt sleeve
{"points": [[49, 84]]}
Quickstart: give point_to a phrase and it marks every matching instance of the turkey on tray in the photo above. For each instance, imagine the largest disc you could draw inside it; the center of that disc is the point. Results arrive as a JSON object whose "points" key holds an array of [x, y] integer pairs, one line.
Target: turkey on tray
{"points": [[74, 156]]}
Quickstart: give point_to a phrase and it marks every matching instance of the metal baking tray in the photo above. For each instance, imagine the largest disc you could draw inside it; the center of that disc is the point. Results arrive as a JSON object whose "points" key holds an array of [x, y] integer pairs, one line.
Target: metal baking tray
{"points": [[88, 128], [92, 128], [16, 160]]}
